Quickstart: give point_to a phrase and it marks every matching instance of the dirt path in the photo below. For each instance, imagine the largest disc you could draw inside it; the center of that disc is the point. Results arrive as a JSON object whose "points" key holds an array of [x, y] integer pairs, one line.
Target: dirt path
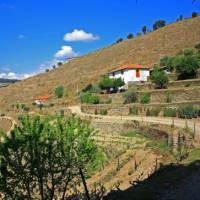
{"points": [[180, 123]]}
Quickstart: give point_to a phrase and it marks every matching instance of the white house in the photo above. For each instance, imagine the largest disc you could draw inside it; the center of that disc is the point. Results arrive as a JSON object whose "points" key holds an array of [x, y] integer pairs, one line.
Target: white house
{"points": [[130, 73]]}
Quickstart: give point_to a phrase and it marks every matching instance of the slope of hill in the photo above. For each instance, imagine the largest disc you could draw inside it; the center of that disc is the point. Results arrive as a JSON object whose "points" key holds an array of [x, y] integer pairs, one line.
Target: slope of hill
{"points": [[77, 73]]}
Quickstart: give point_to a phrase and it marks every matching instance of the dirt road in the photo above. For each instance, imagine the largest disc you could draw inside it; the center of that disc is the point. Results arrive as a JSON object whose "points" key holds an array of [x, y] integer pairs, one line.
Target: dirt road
{"points": [[193, 124]]}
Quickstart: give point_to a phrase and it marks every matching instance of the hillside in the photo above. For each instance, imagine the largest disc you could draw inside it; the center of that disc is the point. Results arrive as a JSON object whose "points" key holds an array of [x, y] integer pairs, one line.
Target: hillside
{"points": [[77, 73]]}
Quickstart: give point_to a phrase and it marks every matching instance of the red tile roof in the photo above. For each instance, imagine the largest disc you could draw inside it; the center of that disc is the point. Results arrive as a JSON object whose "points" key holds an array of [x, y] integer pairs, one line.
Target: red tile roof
{"points": [[43, 98], [130, 66]]}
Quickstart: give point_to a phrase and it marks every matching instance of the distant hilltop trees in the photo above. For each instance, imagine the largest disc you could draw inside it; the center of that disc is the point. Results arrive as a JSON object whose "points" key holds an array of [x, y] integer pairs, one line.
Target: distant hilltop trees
{"points": [[157, 25]]}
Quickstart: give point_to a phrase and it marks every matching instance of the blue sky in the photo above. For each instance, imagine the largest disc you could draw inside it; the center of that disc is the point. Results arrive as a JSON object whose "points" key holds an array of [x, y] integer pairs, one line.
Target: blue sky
{"points": [[32, 31]]}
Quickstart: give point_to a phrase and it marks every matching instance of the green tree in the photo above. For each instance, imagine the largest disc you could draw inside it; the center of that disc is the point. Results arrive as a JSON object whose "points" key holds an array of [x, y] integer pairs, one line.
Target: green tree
{"points": [[163, 61], [119, 40], [59, 91], [197, 46], [159, 24], [41, 158], [159, 77], [106, 83], [144, 29], [194, 14], [130, 36]]}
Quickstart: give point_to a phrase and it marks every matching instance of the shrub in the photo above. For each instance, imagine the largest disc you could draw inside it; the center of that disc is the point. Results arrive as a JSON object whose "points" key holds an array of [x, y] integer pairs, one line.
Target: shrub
{"points": [[168, 98], [187, 85], [194, 14], [26, 109], [159, 77], [103, 112], [188, 112], [159, 24], [92, 88], [2, 115], [133, 111], [153, 112], [130, 97], [59, 91], [130, 36], [51, 105], [145, 98], [170, 112], [87, 97]]}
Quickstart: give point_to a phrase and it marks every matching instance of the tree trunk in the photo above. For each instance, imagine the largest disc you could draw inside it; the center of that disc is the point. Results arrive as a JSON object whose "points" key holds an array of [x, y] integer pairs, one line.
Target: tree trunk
{"points": [[84, 184]]}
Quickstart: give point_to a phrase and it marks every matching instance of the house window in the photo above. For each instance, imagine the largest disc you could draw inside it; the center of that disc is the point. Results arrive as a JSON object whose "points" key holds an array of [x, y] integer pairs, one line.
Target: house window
{"points": [[113, 74], [122, 72], [137, 73]]}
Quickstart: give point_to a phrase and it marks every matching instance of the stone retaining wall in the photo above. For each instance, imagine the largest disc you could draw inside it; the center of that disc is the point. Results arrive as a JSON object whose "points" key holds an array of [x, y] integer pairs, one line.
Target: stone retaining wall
{"points": [[122, 109]]}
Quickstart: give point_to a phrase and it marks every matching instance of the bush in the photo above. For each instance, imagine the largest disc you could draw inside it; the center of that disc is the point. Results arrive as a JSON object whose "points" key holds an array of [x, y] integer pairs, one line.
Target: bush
{"points": [[144, 29], [170, 112], [51, 105], [133, 111], [87, 97], [59, 91], [103, 112], [145, 98], [159, 24], [130, 97], [188, 112], [159, 77], [153, 112]]}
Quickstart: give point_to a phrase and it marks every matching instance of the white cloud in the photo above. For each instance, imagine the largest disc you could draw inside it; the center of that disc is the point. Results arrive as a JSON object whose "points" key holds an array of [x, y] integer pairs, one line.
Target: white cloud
{"points": [[80, 35], [65, 52]]}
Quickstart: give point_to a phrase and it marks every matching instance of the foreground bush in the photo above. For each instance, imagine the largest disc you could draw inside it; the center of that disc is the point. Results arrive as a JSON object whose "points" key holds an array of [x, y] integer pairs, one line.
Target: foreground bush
{"points": [[41, 158], [153, 112]]}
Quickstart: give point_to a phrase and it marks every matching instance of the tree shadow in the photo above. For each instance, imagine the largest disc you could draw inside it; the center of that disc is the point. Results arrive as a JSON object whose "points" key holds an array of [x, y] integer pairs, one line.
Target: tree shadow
{"points": [[171, 182]]}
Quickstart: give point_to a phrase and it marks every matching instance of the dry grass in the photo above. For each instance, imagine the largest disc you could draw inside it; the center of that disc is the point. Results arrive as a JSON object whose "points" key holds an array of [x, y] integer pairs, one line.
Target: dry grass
{"points": [[81, 71]]}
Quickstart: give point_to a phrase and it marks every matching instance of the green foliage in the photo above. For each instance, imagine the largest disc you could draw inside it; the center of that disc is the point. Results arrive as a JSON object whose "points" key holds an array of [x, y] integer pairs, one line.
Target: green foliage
{"points": [[158, 24], [163, 61], [194, 14], [145, 99], [133, 111], [186, 65], [144, 29], [92, 89], [197, 46], [108, 101], [59, 91], [130, 36], [130, 96], [87, 97], [153, 112], [170, 112], [188, 112], [119, 40], [107, 83], [159, 77], [168, 98], [103, 112], [181, 17], [41, 156]]}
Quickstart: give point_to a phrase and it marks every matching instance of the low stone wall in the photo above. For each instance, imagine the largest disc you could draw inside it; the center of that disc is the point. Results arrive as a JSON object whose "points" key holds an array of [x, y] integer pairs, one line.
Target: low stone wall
{"points": [[170, 85], [159, 96], [122, 109]]}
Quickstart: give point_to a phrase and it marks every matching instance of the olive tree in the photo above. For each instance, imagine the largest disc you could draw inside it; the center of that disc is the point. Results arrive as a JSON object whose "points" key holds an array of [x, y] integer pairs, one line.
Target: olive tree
{"points": [[41, 157]]}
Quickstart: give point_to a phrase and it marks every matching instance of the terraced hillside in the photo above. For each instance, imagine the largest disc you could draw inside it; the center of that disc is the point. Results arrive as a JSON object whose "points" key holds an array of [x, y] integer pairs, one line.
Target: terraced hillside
{"points": [[81, 71]]}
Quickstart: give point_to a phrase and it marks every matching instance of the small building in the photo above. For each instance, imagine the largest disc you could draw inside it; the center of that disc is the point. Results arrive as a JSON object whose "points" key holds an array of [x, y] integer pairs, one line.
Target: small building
{"points": [[41, 99], [131, 73]]}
